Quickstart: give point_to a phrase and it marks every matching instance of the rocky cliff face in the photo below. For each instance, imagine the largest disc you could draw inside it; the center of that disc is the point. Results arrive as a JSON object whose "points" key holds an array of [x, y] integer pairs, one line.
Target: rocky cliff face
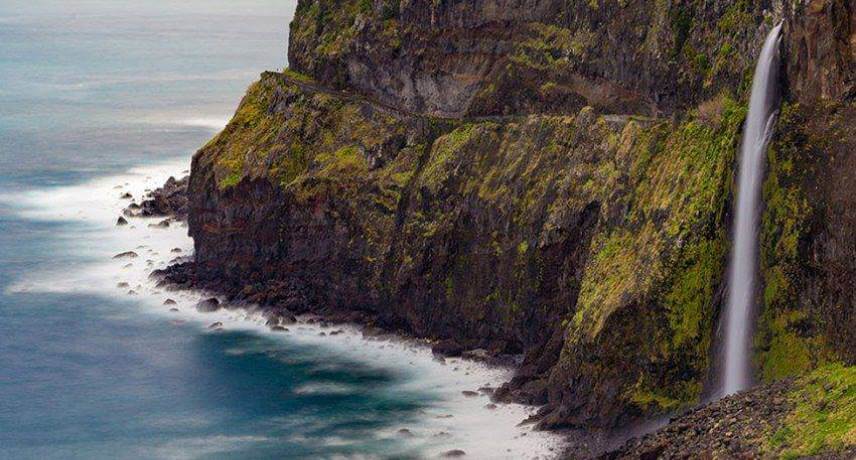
{"points": [[453, 57], [541, 177]]}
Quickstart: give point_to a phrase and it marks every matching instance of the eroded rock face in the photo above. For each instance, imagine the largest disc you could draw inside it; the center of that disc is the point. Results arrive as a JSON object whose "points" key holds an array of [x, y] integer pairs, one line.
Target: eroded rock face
{"points": [[821, 50], [493, 57]]}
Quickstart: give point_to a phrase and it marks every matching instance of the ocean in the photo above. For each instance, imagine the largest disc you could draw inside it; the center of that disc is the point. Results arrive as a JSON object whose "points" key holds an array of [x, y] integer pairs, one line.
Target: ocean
{"points": [[99, 98]]}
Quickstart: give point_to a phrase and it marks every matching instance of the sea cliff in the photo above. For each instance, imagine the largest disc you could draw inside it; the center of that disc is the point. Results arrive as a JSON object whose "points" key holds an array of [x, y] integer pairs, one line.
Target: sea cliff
{"points": [[550, 179]]}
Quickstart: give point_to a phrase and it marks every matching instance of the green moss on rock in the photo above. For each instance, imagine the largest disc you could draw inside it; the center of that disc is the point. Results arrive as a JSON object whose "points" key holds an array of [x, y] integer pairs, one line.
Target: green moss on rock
{"points": [[823, 418]]}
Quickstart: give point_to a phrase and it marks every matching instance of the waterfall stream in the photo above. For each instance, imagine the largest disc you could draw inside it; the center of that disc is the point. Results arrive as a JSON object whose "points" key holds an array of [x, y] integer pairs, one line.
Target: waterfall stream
{"points": [[736, 374]]}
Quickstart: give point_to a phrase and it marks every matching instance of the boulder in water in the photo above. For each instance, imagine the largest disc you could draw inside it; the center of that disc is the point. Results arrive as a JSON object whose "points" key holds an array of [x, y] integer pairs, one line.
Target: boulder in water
{"points": [[121, 221], [169, 302], [454, 453], [208, 305], [448, 347], [217, 325], [162, 224], [126, 255]]}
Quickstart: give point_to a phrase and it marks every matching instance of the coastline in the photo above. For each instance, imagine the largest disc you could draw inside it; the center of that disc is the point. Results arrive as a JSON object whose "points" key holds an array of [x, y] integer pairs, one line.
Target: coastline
{"points": [[92, 209]]}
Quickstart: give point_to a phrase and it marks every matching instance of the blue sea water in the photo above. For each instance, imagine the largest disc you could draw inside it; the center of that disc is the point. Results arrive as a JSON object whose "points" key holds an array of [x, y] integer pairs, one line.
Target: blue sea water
{"points": [[93, 92]]}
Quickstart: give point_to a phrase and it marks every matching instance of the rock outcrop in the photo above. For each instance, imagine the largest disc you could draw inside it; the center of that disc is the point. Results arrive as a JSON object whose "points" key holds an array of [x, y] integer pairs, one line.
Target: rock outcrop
{"points": [[541, 177], [168, 200]]}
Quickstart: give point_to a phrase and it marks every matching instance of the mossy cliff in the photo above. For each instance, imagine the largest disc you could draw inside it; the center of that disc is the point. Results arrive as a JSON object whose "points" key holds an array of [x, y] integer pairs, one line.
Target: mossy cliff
{"points": [[489, 57], [539, 177]]}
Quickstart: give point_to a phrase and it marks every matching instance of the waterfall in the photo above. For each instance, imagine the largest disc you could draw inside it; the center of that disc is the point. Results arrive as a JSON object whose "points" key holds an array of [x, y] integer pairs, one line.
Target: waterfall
{"points": [[736, 374]]}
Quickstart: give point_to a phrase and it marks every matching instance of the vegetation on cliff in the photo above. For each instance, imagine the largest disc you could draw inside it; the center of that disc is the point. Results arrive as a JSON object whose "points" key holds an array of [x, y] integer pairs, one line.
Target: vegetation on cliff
{"points": [[541, 218]]}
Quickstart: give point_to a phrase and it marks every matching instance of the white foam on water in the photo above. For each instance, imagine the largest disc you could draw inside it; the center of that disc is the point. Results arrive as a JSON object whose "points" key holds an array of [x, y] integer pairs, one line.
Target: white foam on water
{"points": [[452, 420], [209, 123]]}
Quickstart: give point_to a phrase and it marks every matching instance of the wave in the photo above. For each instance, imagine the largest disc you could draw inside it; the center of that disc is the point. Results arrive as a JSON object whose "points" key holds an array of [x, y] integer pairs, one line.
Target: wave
{"points": [[88, 212]]}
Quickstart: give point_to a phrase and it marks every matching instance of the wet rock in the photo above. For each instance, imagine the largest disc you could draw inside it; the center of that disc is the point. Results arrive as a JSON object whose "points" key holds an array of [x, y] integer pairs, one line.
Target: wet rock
{"points": [[121, 221], [470, 394], [169, 200], [127, 196], [280, 319], [404, 432], [487, 390], [161, 224], [454, 453], [490, 406], [208, 305], [169, 302], [127, 255], [174, 310], [279, 329], [479, 354], [123, 285], [448, 347], [217, 325], [176, 251], [132, 292]]}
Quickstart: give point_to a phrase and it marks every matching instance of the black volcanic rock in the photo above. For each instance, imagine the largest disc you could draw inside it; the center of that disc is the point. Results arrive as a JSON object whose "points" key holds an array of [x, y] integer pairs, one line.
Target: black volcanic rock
{"points": [[208, 305], [170, 200]]}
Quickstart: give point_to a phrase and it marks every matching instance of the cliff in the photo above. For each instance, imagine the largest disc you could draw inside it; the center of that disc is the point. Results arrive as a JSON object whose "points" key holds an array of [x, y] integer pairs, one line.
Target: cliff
{"points": [[547, 178]]}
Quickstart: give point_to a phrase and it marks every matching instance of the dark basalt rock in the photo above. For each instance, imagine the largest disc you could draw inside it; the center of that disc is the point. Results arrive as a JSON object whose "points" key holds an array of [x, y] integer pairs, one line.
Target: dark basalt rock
{"points": [[169, 302], [121, 221], [208, 305], [126, 255], [448, 347], [168, 200], [161, 224]]}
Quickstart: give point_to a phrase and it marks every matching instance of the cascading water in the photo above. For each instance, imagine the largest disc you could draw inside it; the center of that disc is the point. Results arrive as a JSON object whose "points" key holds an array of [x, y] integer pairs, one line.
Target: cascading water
{"points": [[736, 372]]}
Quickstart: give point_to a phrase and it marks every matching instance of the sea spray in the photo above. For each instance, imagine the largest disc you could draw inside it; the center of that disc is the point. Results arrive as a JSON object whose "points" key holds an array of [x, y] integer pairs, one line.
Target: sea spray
{"points": [[736, 372]]}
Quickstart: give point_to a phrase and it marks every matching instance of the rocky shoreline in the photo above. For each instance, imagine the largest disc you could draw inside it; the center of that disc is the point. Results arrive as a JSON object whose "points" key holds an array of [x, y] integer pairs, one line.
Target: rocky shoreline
{"points": [[536, 189], [734, 427]]}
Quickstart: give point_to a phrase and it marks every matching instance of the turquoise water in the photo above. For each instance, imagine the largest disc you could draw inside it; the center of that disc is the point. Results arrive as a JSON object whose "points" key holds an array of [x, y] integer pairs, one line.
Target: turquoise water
{"points": [[89, 91]]}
